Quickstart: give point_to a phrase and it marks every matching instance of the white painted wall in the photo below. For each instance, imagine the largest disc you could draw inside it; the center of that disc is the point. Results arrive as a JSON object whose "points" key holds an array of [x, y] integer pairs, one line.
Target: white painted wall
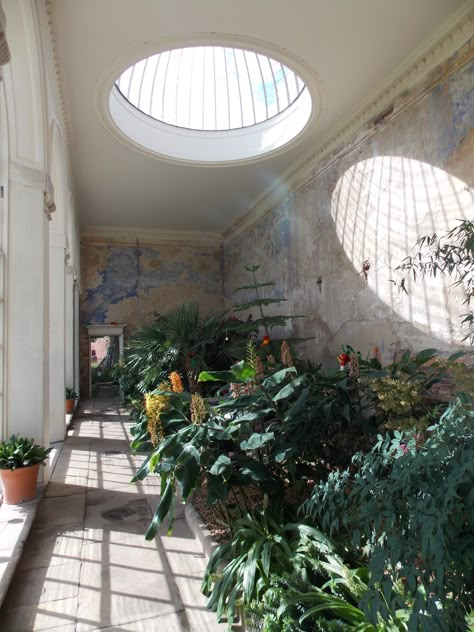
{"points": [[40, 307]]}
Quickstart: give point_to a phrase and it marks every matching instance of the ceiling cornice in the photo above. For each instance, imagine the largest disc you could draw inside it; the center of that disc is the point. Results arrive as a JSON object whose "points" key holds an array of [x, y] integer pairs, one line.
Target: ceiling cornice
{"points": [[58, 74], [455, 34], [128, 236]]}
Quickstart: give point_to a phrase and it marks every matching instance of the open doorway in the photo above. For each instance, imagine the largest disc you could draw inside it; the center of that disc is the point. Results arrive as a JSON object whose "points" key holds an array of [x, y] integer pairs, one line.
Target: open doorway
{"points": [[105, 350], [104, 356]]}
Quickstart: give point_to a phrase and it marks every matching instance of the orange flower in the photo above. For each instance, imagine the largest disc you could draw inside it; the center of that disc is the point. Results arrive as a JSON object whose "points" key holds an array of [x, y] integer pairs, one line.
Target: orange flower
{"points": [[176, 382], [265, 341]]}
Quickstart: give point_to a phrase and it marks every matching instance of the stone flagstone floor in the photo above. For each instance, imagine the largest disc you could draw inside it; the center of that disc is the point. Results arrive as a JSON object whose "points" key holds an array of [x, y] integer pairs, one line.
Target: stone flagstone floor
{"points": [[86, 565]]}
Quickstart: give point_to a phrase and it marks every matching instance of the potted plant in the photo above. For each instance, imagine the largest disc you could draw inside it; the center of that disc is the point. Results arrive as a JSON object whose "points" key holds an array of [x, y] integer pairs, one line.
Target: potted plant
{"points": [[20, 459], [71, 397]]}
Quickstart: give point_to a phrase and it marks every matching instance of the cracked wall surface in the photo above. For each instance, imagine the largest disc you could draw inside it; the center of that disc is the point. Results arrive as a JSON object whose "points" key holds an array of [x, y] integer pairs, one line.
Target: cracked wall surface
{"points": [[366, 206], [131, 283]]}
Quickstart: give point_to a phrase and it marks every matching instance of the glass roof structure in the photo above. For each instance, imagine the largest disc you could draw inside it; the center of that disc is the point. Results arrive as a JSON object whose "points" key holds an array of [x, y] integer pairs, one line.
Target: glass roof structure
{"points": [[210, 88]]}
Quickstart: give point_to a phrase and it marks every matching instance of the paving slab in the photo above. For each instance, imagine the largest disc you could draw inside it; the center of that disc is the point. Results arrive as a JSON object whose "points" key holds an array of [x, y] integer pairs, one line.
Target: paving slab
{"points": [[59, 616], [61, 511], [86, 565]]}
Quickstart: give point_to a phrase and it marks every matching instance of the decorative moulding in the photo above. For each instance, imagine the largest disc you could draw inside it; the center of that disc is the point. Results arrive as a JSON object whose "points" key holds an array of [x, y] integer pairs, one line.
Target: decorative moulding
{"points": [[106, 330], [49, 204], [4, 50], [56, 72], [129, 236], [455, 34]]}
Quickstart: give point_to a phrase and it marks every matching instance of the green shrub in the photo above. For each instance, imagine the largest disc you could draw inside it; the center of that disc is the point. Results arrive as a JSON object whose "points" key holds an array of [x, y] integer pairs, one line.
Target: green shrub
{"points": [[409, 505]]}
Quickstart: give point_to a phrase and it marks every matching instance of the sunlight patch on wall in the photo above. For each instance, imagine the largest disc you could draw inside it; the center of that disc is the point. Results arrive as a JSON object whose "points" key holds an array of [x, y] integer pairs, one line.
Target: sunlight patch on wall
{"points": [[381, 206]]}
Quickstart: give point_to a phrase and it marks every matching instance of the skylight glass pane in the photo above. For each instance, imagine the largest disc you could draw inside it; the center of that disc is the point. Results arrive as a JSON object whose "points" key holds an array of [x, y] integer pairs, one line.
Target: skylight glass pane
{"points": [[222, 111], [197, 89], [124, 81], [210, 87]]}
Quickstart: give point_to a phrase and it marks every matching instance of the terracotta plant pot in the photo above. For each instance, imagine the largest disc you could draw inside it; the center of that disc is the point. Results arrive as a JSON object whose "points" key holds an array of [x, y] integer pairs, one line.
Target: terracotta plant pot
{"points": [[70, 406], [19, 486]]}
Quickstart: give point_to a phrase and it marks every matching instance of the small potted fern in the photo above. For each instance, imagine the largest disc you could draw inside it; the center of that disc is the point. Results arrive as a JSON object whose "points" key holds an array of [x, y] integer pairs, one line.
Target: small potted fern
{"points": [[71, 397], [20, 459]]}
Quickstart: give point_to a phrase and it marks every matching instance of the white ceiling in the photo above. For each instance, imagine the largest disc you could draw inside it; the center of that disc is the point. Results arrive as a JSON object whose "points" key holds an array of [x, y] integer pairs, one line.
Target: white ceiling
{"points": [[354, 46]]}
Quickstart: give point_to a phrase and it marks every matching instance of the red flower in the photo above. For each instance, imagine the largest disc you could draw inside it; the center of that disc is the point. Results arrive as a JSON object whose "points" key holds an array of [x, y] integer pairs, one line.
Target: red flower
{"points": [[343, 359], [265, 341]]}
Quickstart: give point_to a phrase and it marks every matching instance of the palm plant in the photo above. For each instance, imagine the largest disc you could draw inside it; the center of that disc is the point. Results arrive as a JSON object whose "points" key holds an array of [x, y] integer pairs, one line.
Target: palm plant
{"points": [[196, 341]]}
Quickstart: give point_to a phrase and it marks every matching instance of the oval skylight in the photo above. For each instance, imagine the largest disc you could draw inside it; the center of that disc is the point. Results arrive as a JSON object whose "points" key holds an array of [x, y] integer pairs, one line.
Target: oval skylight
{"points": [[210, 88]]}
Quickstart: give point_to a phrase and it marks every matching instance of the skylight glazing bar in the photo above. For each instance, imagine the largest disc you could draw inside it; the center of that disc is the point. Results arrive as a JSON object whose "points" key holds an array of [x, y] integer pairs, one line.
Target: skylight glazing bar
{"points": [[165, 83], [263, 85], [215, 86], [227, 87], [141, 85], [283, 69], [239, 88], [178, 74], [277, 96], [152, 93], [192, 55], [130, 82], [252, 99]]}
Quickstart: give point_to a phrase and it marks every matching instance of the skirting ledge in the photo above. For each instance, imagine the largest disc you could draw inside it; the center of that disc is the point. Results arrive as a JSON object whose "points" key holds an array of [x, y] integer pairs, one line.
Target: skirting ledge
{"points": [[201, 532], [15, 526]]}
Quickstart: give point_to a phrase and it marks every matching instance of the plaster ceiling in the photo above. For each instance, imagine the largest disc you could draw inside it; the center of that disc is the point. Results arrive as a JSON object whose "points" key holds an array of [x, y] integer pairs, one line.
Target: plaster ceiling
{"points": [[352, 49]]}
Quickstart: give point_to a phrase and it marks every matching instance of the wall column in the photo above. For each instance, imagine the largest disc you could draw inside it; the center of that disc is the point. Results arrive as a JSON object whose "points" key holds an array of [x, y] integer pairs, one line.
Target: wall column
{"points": [[57, 336], [27, 382], [69, 333]]}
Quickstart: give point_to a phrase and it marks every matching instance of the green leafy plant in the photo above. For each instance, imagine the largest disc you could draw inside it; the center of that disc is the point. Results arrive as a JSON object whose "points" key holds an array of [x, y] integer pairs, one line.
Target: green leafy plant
{"points": [[410, 507], [252, 325], [451, 254], [183, 339], [321, 594], [239, 571], [71, 393], [19, 452]]}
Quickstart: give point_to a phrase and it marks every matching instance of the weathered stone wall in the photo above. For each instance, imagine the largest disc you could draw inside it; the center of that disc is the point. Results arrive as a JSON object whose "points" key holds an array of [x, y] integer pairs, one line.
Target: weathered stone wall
{"points": [[130, 283], [404, 177]]}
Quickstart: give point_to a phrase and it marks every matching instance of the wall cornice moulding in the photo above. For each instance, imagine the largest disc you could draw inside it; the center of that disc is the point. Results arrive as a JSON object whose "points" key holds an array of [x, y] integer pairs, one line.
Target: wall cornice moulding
{"points": [[57, 73], [128, 236], [455, 34]]}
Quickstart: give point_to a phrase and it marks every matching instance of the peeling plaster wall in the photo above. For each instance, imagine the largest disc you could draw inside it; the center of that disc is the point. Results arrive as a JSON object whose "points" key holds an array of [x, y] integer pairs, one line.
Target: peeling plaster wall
{"points": [[129, 284], [409, 176]]}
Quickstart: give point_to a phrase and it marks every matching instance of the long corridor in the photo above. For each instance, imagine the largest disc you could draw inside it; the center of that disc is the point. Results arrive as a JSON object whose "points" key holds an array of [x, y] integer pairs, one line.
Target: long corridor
{"points": [[86, 565]]}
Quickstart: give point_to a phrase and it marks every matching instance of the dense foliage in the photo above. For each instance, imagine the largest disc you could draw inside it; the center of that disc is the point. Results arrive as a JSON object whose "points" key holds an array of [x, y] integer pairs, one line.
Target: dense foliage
{"points": [[347, 493], [409, 505]]}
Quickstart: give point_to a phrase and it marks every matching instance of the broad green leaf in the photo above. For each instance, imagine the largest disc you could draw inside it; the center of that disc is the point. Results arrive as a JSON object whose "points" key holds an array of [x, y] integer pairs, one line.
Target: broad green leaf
{"points": [[289, 389], [216, 376], [217, 489], [161, 511], [283, 452], [143, 471], [257, 440], [222, 467], [425, 355], [242, 371], [187, 475], [278, 377], [256, 471]]}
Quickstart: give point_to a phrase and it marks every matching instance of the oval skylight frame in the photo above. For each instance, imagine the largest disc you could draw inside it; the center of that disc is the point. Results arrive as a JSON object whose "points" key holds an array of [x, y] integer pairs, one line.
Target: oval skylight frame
{"points": [[245, 144], [210, 88]]}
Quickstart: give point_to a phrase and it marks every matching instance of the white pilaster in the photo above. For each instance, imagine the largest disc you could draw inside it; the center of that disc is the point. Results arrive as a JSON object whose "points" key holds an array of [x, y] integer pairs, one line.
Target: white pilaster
{"points": [[27, 308], [69, 333], [57, 336]]}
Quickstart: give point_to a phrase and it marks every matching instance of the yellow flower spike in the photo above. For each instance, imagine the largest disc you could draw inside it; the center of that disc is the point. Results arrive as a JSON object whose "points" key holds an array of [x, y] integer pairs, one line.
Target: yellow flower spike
{"points": [[176, 382]]}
